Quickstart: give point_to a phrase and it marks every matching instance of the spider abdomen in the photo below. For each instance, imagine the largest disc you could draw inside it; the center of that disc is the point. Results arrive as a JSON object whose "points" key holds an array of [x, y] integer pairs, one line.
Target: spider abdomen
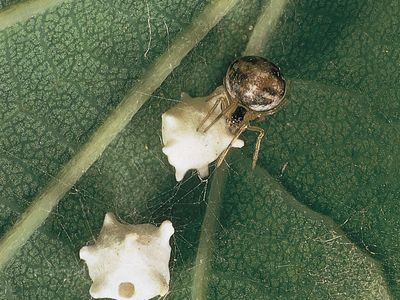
{"points": [[256, 83]]}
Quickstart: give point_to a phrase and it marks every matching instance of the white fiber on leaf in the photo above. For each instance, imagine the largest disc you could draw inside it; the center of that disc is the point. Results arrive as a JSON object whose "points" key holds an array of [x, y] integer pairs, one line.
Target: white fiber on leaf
{"points": [[188, 148], [129, 261]]}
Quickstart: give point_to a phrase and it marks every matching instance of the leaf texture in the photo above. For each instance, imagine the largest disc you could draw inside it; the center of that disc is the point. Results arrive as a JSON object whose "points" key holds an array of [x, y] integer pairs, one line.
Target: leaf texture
{"points": [[334, 148]]}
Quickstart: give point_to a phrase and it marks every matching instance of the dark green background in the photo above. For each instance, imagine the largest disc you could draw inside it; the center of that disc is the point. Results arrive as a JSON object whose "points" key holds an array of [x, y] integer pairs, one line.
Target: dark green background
{"points": [[62, 73]]}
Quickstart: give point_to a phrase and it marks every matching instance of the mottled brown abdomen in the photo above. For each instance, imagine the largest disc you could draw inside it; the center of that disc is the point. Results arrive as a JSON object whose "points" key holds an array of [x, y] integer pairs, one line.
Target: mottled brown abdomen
{"points": [[256, 83]]}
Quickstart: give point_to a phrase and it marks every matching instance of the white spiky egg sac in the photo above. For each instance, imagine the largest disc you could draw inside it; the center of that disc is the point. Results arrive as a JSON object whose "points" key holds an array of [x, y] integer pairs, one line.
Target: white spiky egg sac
{"points": [[129, 261], [188, 148]]}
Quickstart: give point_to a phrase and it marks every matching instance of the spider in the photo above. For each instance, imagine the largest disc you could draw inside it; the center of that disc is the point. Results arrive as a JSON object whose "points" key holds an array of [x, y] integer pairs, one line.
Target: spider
{"points": [[253, 88]]}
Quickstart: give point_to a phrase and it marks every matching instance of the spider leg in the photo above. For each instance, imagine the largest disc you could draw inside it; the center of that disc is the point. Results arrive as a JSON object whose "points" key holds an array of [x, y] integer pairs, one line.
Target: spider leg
{"points": [[218, 101], [225, 152], [223, 112], [261, 134], [224, 103]]}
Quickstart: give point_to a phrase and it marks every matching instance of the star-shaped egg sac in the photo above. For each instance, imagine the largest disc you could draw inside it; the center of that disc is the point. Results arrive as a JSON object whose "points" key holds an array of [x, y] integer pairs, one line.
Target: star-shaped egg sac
{"points": [[189, 148], [129, 261]]}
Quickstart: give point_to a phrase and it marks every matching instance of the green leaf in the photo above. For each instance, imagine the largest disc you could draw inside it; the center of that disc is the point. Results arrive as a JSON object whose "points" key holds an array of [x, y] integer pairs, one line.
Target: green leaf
{"points": [[90, 151], [334, 148], [6, 3], [267, 244]]}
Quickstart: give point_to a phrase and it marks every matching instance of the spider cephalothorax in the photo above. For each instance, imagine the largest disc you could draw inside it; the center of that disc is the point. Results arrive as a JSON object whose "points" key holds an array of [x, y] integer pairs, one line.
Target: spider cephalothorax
{"points": [[253, 89]]}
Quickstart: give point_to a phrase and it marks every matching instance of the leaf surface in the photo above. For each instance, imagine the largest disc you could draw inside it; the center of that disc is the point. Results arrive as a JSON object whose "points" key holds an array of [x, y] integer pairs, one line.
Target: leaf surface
{"points": [[334, 148]]}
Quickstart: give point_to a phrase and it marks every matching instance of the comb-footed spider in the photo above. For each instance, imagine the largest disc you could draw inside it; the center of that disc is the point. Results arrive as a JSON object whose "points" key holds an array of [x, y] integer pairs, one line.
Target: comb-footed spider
{"points": [[253, 89]]}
